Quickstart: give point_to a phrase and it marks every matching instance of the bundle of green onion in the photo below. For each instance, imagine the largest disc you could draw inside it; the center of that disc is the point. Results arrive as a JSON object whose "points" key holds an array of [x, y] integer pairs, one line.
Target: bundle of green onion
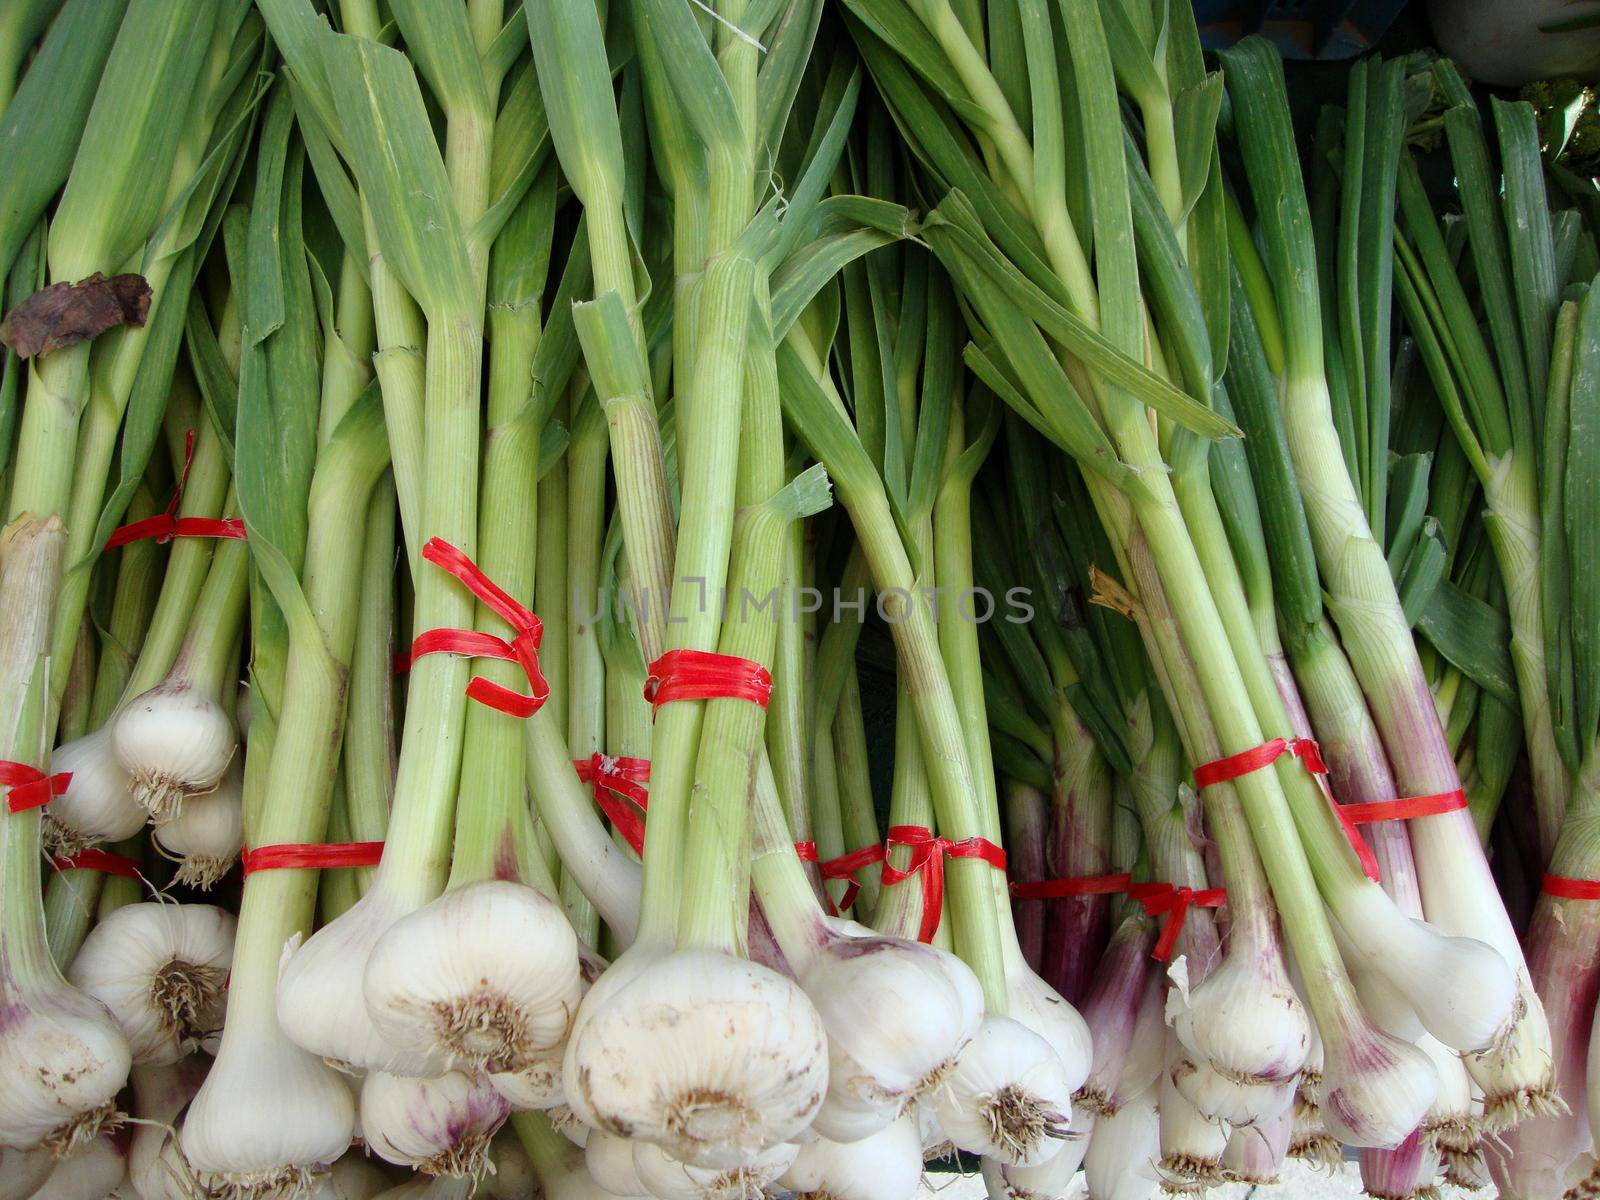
{"points": [[701, 600]]}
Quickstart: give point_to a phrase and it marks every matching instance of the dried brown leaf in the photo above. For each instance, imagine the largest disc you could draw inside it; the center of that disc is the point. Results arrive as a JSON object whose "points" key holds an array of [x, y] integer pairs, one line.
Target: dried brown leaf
{"points": [[66, 313]]}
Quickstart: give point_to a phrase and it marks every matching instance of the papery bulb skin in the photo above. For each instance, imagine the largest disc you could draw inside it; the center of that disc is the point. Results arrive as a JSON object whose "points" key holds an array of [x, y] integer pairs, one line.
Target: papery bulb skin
{"points": [[320, 1001], [1051, 1179], [1219, 1098], [537, 1086], [207, 834], [437, 1126], [23, 1172], [1462, 990], [1008, 1097], [63, 1060], [1244, 1018], [174, 741], [1256, 1152], [569, 1125], [609, 1159], [1121, 1160], [90, 1172], [1375, 1089], [885, 1166], [1450, 1121], [1112, 1084], [98, 805], [157, 1168], [486, 977], [897, 1013], [160, 968], [1043, 1010], [269, 1115], [666, 1178], [713, 1057], [1123, 978]]}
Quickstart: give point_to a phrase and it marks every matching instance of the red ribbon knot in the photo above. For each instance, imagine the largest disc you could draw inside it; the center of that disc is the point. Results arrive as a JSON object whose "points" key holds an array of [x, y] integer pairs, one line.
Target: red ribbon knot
{"points": [[165, 526], [522, 649], [702, 675], [1173, 903], [614, 780], [1258, 757], [928, 852], [31, 787], [310, 856]]}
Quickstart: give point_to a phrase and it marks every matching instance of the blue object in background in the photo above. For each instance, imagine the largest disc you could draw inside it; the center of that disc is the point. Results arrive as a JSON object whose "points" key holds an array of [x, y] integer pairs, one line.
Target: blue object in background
{"points": [[1303, 29]]}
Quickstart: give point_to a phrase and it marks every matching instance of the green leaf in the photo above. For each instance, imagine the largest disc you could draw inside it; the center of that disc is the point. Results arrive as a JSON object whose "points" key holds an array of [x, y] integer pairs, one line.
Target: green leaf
{"points": [[1581, 500], [402, 177], [439, 39], [45, 118], [569, 49], [218, 387], [1472, 637]]}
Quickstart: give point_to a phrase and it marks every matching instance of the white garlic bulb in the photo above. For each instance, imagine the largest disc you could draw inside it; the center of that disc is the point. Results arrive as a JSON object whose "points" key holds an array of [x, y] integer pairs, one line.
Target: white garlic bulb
{"points": [[1244, 1018], [23, 1172], [174, 741], [885, 1166], [207, 834], [156, 1166], [537, 1085], [713, 1057], [666, 1178], [98, 805], [1008, 1097], [609, 1159], [90, 1172], [160, 968], [437, 1126], [485, 978]]}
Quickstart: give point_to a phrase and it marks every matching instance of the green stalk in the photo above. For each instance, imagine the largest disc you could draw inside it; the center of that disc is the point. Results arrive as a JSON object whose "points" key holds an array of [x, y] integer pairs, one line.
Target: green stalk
{"points": [[858, 818], [369, 752], [586, 668], [210, 647], [75, 700], [789, 736], [206, 493], [139, 581], [717, 852]]}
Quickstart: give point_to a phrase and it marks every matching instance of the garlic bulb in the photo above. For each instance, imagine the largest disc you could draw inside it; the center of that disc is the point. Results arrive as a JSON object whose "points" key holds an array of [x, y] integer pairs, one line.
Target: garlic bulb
{"points": [[437, 1126], [160, 968], [486, 978], [1309, 1141], [897, 1013], [1220, 1098], [1244, 1018], [22, 1172], [1255, 1152], [63, 1060], [1450, 1122], [569, 1125], [885, 1166], [156, 1166], [1462, 990], [537, 1085], [174, 741], [1009, 1097], [1121, 982], [98, 805], [1048, 1180], [207, 834], [1375, 1089], [1043, 1010], [1141, 1067], [1121, 1160], [511, 1174], [1191, 1142], [666, 1178], [609, 1159], [321, 1005], [711, 1056], [91, 1171], [298, 1120]]}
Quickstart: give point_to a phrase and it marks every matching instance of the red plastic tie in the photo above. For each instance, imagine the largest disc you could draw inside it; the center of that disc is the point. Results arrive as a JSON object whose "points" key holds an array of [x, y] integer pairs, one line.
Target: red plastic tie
{"points": [[1405, 808], [1570, 889], [928, 852], [1082, 885], [614, 781], [310, 856], [845, 867], [806, 852], [1173, 903], [165, 526], [31, 787], [523, 649], [95, 859], [702, 675], [1307, 751]]}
